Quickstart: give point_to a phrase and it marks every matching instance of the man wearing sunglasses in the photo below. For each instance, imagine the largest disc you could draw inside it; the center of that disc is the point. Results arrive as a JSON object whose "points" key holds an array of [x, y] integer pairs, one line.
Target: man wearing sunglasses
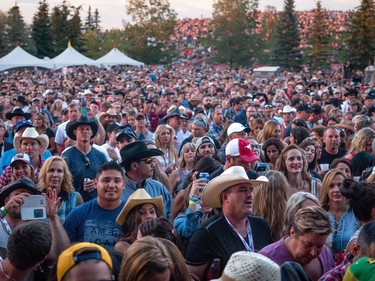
{"points": [[139, 164]]}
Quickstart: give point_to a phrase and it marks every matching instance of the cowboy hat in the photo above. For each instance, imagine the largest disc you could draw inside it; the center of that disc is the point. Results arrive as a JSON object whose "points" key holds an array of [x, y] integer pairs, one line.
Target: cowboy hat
{"points": [[231, 176], [140, 197], [126, 131], [17, 112], [287, 109], [173, 113], [109, 112], [136, 151], [23, 183], [83, 120], [31, 133]]}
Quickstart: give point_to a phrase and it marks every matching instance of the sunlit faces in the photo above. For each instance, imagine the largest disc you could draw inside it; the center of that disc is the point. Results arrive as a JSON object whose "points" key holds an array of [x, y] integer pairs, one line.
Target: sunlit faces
{"points": [[239, 199], [20, 169], [306, 247], [255, 147], [31, 147], [73, 113], [189, 155], [147, 212], [310, 153], [146, 168], [83, 133], [294, 161], [334, 193], [165, 136], [197, 131], [206, 149], [276, 133], [55, 174], [331, 138], [38, 122], [272, 153], [109, 185]]}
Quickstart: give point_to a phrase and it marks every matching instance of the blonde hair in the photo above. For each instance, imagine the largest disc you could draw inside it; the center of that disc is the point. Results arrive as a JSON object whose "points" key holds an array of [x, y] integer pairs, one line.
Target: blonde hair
{"points": [[268, 129], [170, 144], [329, 176], [311, 219], [270, 201], [359, 142], [67, 183], [44, 118], [144, 257], [181, 160]]}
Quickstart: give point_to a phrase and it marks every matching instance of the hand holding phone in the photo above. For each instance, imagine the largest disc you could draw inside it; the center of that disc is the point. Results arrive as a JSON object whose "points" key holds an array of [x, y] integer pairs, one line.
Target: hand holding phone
{"points": [[33, 208]]}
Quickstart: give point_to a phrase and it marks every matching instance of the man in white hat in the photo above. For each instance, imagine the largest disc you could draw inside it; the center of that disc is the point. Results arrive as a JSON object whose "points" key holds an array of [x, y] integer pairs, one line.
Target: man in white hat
{"points": [[233, 229], [32, 144]]}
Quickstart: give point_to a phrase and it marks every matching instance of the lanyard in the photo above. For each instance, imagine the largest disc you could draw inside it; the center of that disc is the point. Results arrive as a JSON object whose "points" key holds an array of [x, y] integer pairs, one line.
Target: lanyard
{"points": [[7, 226], [249, 246]]}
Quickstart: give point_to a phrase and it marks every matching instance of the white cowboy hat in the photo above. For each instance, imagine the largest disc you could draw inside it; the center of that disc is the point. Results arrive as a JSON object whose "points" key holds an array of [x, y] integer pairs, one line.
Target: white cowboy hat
{"points": [[31, 133], [231, 176], [140, 197], [243, 266]]}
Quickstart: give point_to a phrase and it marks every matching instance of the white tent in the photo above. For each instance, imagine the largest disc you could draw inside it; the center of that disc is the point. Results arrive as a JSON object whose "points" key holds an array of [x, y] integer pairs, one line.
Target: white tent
{"points": [[20, 58], [70, 57], [116, 57]]}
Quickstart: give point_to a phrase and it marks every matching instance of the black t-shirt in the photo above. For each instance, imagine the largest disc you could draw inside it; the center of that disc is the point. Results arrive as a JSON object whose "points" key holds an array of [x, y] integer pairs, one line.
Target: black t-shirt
{"points": [[215, 238], [327, 158]]}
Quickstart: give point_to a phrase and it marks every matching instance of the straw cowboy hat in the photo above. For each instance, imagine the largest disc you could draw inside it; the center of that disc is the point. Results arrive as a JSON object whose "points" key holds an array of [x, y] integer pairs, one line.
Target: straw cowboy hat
{"points": [[231, 176], [83, 120], [244, 266], [31, 133], [140, 197], [109, 112]]}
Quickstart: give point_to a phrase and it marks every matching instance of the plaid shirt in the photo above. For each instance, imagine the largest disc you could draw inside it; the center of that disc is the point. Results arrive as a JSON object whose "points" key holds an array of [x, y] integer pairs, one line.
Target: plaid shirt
{"points": [[6, 176], [337, 274]]}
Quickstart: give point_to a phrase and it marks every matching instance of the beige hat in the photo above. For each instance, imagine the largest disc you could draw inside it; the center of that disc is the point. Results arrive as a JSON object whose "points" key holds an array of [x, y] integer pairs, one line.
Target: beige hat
{"points": [[231, 176], [140, 197], [288, 109], [31, 133], [109, 112], [244, 266]]}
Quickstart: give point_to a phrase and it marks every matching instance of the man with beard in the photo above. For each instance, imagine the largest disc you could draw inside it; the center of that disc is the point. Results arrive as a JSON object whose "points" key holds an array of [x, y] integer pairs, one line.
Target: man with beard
{"points": [[83, 160], [207, 106], [332, 149], [217, 122]]}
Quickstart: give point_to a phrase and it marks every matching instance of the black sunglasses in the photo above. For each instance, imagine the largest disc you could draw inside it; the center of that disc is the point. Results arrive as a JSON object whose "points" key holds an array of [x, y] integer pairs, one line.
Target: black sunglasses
{"points": [[87, 161]]}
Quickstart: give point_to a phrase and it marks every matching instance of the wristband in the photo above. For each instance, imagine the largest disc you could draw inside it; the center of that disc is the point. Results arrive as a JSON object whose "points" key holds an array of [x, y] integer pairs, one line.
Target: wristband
{"points": [[193, 198], [191, 202], [3, 211]]}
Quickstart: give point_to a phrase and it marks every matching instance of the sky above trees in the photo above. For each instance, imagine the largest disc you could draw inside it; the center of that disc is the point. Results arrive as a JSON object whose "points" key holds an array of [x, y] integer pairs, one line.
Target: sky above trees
{"points": [[112, 12]]}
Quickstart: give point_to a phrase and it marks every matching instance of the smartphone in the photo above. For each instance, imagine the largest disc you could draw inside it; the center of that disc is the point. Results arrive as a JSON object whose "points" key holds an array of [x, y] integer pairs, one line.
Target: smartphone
{"points": [[33, 208]]}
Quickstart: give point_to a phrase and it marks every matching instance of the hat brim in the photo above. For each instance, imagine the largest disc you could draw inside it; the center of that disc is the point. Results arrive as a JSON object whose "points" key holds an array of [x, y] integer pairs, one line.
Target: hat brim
{"points": [[12, 187], [43, 140], [157, 202], [10, 115], [212, 192], [71, 126], [142, 155]]}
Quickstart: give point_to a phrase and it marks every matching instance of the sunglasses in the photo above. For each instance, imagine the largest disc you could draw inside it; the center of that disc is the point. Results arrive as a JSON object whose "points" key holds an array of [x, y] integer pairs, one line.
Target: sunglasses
{"points": [[255, 146], [87, 162], [148, 161]]}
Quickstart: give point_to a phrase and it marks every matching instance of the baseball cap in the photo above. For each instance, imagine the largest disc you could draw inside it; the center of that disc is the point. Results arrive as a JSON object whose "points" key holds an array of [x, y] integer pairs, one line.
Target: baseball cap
{"points": [[199, 121], [236, 128], [23, 123], [20, 157], [362, 269], [140, 114], [305, 107], [203, 140], [78, 253], [241, 148]]}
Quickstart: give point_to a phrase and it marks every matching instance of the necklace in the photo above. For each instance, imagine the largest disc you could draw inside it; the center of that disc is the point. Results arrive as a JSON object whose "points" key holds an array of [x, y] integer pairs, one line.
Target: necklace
{"points": [[6, 275]]}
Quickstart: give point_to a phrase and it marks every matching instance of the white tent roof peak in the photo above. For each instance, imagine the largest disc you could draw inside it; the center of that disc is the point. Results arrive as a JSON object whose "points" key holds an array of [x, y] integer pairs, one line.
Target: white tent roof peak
{"points": [[116, 57], [70, 57]]}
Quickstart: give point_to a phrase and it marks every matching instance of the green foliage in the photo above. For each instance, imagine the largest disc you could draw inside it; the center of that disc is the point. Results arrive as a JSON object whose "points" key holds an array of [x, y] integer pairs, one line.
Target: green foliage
{"points": [[318, 49], [267, 35], [234, 24], [59, 24], [41, 31], [3, 34], [286, 50], [150, 19], [362, 39]]}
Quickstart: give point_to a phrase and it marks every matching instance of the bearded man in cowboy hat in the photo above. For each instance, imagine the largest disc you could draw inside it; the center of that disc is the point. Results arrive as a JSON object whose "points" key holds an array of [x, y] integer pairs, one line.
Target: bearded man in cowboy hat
{"points": [[32, 144], [139, 164], [233, 229], [16, 115], [82, 158], [173, 119]]}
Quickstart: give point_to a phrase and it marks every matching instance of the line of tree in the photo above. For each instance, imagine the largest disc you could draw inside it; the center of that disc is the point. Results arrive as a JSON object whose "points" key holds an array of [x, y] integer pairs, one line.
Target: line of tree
{"points": [[235, 37]]}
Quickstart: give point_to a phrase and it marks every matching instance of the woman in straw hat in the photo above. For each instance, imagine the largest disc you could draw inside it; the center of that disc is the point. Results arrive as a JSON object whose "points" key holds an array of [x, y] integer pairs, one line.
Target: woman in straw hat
{"points": [[139, 208]]}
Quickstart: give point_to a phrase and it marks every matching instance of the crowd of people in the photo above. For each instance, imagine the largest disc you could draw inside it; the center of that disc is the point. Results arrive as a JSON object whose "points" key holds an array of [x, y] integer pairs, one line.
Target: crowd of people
{"points": [[187, 174]]}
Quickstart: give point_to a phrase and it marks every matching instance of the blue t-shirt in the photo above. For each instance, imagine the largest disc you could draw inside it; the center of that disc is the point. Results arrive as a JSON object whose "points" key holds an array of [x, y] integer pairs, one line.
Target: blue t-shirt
{"points": [[81, 168], [91, 223]]}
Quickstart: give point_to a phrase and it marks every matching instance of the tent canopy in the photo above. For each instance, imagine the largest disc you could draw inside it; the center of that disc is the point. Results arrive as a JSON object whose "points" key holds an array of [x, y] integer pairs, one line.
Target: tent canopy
{"points": [[116, 57], [20, 58], [70, 57]]}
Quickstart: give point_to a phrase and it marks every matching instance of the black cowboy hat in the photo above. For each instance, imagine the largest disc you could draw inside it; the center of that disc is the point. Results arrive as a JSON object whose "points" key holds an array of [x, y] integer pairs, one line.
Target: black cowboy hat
{"points": [[23, 183], [83, 120], [127, 131], [175, 112], [17, 112], [137, 151]]}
